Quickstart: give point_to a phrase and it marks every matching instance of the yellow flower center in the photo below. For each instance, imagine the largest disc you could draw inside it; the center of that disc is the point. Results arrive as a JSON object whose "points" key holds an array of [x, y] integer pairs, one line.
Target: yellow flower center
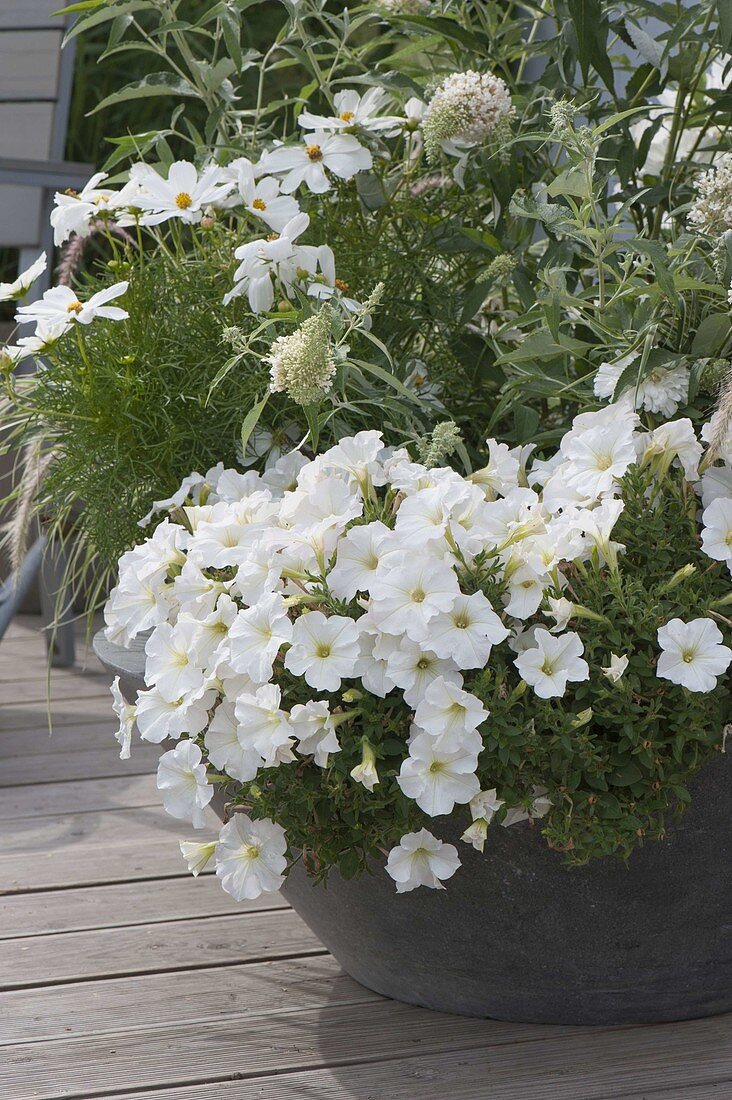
{"points": [[346, 116], [418, 596], [688, 656], [314, 152], [323, 650], [259, 204], [74, 307], [461, 623], [604, 462], [251, 851], [183, 200]]}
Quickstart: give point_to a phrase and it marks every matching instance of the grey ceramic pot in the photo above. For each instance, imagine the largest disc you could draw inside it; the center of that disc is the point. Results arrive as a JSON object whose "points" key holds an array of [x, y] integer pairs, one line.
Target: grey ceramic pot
{"points": [[517, 935]]}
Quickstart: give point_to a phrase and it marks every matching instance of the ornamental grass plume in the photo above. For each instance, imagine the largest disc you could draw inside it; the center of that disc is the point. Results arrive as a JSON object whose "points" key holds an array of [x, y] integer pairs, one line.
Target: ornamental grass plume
{"points": [[465, 107], [303, 364], [721, 423], [711, 211]]}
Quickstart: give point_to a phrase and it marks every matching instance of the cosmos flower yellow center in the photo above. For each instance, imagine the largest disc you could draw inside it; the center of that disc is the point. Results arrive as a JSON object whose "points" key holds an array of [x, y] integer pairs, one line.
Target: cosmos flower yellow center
{"points": [[346, 116], [259, 204], [183, 200], [314, 152], [74, 307]]}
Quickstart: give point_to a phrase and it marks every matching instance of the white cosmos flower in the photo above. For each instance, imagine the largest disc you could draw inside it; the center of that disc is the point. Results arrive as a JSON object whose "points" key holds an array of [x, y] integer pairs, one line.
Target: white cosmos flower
{"points": [[262, 198], [182, 779], [126, 713], [693, 654], [352, 110], [360, 552], [437, 778], [170, 665], [615, 670], [467, 632], [183, 194], [250, 857], [717, 530], [324, 650], [264, 726], [256, 636], [552, 662], [197, 855], [450, 715], [60, 307], [413, 667], [420, 859], [409, 596], [310, 162], [20, 286], [263, 265], [315, 731], [74, 213], [158, 717], [225, 751]]}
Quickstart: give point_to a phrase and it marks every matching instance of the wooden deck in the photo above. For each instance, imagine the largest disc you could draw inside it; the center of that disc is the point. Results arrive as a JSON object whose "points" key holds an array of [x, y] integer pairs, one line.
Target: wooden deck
{"points": [[121, 976]]}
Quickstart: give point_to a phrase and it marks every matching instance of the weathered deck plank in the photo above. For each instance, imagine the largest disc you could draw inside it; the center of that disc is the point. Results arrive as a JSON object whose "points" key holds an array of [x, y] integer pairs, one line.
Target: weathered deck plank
{"points": [[150, 948], [123, 978]]}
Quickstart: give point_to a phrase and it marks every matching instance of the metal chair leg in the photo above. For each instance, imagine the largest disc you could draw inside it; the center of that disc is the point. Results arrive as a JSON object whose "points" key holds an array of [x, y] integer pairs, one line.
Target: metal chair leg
{"points": [[57, 608], [14, 589]]}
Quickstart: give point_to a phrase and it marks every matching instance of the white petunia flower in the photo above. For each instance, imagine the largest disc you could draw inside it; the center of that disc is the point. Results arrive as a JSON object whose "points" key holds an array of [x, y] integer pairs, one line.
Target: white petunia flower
{"points": [[552, 662], [264, 726], [360, 552], [158, 717], [250, 857], [182, 779], [365, 772], [126, 713], [450, 715], [170, 665], [437, 778], [467, 632], [197, 855], [257, 635], [324, 650], [420, 859], [408, 597], [225, 750], [525, 591], [717, 530], [340, 154], [20, 286], [482, 808], [183, 194], [561, 610], [616, 669], [315, 731], [59, 308], [693, 654], [598, 457], [674, 441], [413, 667]]}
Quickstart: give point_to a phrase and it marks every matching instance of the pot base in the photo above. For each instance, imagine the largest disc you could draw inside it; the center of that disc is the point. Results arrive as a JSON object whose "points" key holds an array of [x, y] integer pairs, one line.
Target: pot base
{"points": [[518, 935]]}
